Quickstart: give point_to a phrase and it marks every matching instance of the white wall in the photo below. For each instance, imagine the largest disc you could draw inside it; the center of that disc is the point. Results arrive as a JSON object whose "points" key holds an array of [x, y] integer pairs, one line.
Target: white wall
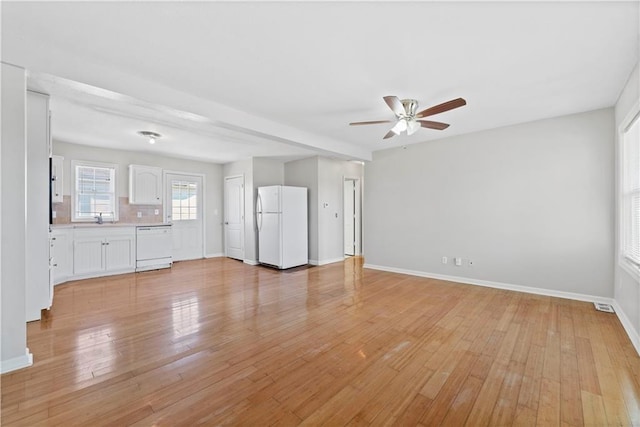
{"points": [[13, 352], [531, 205], [212, 178], [627, 288], [304, 173]]}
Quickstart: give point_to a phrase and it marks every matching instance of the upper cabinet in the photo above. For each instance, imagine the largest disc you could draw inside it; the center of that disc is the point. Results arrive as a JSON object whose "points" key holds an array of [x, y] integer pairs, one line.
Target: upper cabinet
{"points": [[56, 178], [145, 185]]}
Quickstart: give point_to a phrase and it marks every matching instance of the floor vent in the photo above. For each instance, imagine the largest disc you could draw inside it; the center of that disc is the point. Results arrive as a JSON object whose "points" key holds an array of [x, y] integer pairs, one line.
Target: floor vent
{"points": [[603, 307]]}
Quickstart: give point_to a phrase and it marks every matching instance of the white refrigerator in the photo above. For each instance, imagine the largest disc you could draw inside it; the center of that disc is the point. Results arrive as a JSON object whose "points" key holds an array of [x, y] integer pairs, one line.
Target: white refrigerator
{"points": [[281, 216]]}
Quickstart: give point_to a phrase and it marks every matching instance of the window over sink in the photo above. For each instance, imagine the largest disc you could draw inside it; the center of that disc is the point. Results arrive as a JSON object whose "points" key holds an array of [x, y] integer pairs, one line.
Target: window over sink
{"points": [[94, 193]]}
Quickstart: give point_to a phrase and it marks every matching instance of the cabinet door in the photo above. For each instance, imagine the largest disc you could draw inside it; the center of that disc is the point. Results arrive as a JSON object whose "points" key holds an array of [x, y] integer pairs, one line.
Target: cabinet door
{"points": [[87, 255], [60, 257], [56, 179], [145, 185], [119, 253]]}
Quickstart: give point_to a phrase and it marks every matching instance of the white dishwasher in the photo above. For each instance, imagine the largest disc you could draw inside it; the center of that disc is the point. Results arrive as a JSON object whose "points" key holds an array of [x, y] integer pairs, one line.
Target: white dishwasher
{"points": [[154, 245]]}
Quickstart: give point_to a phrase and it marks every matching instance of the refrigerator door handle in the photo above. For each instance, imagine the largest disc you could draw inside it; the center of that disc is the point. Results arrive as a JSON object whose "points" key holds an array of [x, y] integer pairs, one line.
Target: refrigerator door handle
{"points": [[259, 213]]}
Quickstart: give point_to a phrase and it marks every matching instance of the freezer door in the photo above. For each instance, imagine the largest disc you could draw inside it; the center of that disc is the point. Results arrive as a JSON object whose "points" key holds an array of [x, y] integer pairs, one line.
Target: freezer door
{"points": [[269, 240], [269, 199]]}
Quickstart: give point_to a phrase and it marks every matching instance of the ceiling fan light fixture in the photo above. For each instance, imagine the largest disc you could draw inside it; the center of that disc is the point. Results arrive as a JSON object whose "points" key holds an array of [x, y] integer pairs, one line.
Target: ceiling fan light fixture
{"points": [[400, 126], [152, 136], [412, 126]]}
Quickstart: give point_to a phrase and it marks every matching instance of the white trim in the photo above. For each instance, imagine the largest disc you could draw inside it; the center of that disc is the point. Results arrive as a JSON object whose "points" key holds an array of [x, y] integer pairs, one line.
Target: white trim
{"points": [[17, 362], [497, 285], [216, 255], [633, 334], [250, 262], [326, 261]]}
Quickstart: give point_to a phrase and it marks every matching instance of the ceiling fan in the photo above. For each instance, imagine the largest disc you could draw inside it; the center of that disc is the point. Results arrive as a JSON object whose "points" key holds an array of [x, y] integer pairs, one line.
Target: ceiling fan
{"points": [[407, 118]]}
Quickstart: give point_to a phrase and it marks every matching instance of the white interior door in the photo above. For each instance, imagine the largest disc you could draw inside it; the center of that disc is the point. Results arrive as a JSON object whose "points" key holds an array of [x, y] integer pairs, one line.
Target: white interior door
{"points": [[183, 209], [349, 217], [234, 217]]}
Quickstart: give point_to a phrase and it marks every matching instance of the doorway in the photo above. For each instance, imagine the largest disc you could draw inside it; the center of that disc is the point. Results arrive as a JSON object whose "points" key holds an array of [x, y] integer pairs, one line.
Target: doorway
{"points": [[183, 210], [234, 217], [352, 216]]}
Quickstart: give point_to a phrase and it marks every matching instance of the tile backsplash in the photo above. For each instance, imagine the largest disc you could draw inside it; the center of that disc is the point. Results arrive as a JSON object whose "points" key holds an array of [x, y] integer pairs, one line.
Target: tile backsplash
{"points": [[127, 213]]}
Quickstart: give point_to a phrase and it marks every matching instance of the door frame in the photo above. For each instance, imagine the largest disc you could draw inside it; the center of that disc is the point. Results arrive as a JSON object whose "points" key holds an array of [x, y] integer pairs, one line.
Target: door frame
{"points": [[244, 212], [358, 213], [165, 202]]}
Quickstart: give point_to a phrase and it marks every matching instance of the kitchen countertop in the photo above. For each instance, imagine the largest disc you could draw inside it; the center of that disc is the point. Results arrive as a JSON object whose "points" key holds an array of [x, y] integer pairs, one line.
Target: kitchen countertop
{"points": [[106, 225]]}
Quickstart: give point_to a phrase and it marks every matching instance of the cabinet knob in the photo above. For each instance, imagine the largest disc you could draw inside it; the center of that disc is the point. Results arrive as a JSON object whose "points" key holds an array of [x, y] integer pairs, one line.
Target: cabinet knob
{"points": [[55, 265], [53, 238]]}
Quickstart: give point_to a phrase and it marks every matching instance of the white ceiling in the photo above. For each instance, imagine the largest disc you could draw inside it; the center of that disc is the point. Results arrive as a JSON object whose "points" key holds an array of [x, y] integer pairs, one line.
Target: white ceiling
{"points": [[228, 80]]}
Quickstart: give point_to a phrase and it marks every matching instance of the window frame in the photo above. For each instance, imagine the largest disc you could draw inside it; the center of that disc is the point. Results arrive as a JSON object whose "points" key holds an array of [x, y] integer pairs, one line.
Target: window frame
{"points": [[74, 184], [631, 119]]}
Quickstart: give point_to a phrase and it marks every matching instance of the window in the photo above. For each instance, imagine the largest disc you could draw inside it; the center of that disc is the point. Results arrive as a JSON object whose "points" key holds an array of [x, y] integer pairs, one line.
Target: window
{"points": [[94, 191], [184, 200], [631, 194]]}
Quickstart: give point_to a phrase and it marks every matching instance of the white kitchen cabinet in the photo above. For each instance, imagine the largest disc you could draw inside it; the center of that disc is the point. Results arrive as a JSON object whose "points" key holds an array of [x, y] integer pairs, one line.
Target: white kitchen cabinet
{"points": [[120, 253], [145, 185], [103, 251], [56, 178], [38, 288], [60, 253]]}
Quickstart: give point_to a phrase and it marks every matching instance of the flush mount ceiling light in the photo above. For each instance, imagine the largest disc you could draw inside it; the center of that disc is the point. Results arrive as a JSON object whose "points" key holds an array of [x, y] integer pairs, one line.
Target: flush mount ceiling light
{"points": [[151, 135]]}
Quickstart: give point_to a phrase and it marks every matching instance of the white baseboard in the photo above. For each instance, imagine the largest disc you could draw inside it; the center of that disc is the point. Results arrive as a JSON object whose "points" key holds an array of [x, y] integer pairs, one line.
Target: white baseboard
{"points": [[16, 363], [250, 262], [633, 334], [325, 261], [497, 285], [217, 255]]}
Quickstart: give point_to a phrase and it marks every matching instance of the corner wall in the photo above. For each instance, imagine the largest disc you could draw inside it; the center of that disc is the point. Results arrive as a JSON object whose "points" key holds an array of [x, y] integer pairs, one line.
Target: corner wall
{"points": [[531, 205], [14, 353], [324, 178]]}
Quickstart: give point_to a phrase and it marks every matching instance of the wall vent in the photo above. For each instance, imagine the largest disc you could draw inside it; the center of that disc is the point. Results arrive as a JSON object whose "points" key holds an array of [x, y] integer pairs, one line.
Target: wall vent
{"points": [[603, 307]]}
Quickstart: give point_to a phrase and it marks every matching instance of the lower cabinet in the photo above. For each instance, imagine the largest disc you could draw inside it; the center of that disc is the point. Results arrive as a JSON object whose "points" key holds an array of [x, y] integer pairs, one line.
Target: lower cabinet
{"points": [[60, 254], [98, 252]]}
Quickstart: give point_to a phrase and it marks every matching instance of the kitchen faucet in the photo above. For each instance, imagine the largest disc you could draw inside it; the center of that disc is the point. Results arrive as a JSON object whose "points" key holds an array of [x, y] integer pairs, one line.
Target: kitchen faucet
{"points": [[99, 218]]}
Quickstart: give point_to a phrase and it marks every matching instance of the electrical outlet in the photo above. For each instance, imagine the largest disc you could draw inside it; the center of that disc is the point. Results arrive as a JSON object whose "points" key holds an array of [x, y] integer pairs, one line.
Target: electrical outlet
{"points": [[457, 261], [139, 215], [156, 212], [444, 260], [53, 214]]}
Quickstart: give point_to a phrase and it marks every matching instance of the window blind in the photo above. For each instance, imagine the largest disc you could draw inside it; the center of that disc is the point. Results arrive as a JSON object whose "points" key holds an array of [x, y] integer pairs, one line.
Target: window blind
{"points": [[631, 193]]}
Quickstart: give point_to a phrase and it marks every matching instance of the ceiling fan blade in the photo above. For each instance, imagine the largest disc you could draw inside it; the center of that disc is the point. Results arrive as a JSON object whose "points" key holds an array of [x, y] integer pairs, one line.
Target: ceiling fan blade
{"points": [[374, 122], [396, 106], [441, 108], [433, 125], [389, 134]]}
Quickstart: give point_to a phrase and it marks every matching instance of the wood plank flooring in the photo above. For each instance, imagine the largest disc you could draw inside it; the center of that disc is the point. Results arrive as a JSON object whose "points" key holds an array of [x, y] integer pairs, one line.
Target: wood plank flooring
{"points": [[219, 342]]}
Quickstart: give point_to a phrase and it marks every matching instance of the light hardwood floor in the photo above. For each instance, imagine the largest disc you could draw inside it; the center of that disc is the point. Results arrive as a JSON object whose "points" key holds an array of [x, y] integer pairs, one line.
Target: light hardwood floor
{"points": [[221, 342]]}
